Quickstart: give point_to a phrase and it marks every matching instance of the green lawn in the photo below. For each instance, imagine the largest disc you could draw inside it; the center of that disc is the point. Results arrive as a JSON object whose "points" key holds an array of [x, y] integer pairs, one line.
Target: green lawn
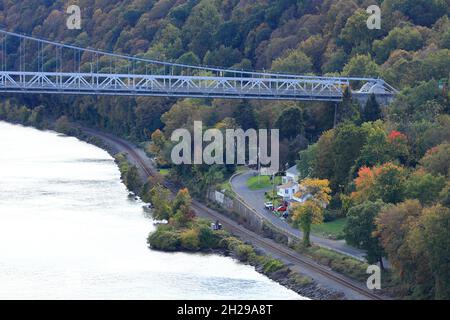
{"points": [[163, 172], [261, 182], [333, 229]]}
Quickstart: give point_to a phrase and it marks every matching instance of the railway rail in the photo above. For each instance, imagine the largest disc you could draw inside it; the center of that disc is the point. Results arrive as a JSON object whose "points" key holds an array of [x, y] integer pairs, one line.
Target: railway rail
{"points": [[264, 243]]}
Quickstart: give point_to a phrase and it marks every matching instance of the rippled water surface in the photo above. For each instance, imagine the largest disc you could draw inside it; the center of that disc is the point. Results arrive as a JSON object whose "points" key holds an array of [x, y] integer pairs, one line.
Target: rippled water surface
{"points": [[69, 230]]}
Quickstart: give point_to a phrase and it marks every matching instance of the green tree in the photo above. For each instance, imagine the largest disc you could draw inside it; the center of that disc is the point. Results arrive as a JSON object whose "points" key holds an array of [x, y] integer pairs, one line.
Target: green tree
{"points": [[347, 109], [290, 123], [182, 213], [347, 145], [360, 227], [432, 236], [200, 27], [361, 66], [189, 58], [190, 240], [385, 182], [293, 61], [132, 179], [160, 200], [355, 34], [376, 149], [222, 57], [390, 183], [167, 43], [324, 164], [425, 187], [423, 12], [437, 160], [307, 159], [444, 196], [372, 110], [245, 116], [37, 116], [405, 38]]}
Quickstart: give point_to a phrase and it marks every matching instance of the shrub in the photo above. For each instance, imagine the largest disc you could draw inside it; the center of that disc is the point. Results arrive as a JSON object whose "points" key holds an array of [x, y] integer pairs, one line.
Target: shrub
{"points": [[62, 125], [300, 280], [210, 239], [272, 265], [340, 263], [164, 240], [232, 242], [189, 240], [244, 251]]}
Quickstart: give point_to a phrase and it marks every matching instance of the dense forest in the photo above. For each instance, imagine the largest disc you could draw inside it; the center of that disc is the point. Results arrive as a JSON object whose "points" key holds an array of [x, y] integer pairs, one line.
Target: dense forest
{"points": [[387, 166]]}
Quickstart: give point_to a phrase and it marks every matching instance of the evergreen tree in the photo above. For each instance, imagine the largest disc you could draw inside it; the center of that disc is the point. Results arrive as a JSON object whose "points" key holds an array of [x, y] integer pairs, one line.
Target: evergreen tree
{"points": [[371, 111], [290, 123], [245, 116], [347, 109]]}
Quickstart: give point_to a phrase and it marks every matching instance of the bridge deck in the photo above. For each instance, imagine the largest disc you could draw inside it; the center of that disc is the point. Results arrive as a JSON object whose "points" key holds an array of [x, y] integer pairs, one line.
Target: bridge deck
{"points": [[320, 89]]}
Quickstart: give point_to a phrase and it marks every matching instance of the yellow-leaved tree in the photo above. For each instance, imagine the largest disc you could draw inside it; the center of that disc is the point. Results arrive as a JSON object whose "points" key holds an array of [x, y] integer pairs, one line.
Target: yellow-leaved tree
{"points": [[317, 195]]}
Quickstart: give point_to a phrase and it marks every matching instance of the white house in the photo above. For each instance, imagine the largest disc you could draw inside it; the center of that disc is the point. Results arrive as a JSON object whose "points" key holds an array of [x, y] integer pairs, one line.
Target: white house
{"points": [[287, 190], [292, 174], [289, 186]]}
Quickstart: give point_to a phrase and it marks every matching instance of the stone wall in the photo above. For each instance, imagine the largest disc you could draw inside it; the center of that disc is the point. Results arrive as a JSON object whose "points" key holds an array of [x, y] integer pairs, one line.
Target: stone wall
{"points": [[235, 208]]}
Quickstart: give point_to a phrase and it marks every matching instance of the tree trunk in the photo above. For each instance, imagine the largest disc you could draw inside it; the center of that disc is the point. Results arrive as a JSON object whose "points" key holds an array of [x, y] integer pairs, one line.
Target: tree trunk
{"points": [[306, 241], [381, 263]]}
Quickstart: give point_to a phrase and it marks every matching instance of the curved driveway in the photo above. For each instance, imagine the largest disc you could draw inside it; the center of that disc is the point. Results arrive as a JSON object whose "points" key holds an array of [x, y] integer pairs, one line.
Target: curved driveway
{"points": [[255, 199]]}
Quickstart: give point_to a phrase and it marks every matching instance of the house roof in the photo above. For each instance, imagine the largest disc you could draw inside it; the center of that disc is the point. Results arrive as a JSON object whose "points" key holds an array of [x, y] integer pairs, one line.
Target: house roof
{"points": [[290, 184], [293, 171]]}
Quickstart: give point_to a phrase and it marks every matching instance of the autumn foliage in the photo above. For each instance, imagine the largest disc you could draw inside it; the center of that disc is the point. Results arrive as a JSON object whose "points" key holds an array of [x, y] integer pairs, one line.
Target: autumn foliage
{"points": [[384, 182]]}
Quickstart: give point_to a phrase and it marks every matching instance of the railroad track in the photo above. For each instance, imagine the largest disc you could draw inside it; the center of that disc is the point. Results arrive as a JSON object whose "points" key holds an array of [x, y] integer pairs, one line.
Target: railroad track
{"points": [[263, 242]]}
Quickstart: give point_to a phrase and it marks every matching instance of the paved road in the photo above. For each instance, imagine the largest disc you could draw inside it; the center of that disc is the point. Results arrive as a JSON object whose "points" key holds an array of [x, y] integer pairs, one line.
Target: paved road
{"points": [[322, 275], [255, 199]]}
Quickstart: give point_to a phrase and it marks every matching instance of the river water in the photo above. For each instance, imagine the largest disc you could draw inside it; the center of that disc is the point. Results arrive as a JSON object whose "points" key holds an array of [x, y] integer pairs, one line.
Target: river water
{"points": [[68, 230]]}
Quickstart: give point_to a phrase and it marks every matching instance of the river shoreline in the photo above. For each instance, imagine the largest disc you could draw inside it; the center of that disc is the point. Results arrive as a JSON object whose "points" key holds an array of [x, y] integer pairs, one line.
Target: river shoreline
{"points": [[285, 276], [67, 196]]}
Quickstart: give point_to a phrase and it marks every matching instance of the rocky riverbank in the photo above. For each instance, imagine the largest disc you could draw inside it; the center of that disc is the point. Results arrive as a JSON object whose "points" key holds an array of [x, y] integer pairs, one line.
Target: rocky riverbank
{"points": [[274, 269]]}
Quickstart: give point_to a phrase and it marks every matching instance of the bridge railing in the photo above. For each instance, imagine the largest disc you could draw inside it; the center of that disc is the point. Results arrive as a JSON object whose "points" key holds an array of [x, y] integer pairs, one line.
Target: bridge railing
{"points": [[33, 64]]}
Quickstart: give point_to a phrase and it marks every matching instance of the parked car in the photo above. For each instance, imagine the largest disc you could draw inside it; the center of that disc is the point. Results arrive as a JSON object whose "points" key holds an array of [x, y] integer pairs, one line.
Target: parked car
{"points": [[281, 209], [268, 206]]}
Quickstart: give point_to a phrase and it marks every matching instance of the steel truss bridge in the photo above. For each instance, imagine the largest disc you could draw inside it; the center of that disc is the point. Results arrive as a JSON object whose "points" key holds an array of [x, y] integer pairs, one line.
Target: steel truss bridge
{"points": [[35, 65]]}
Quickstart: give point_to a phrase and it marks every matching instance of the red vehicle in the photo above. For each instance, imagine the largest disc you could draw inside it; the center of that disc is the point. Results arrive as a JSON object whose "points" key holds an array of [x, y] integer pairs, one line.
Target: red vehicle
{"points": [[281, 209]]}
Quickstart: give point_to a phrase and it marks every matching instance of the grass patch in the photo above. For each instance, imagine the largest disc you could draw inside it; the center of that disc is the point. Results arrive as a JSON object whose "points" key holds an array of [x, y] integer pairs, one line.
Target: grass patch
{"points": [[261, 182], [333, 229], [163, 172], [338, 262]]}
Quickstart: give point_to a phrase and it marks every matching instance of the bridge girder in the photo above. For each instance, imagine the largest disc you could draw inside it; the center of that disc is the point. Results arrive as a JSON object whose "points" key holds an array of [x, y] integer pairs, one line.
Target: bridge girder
{"points": [[320, 89]]}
